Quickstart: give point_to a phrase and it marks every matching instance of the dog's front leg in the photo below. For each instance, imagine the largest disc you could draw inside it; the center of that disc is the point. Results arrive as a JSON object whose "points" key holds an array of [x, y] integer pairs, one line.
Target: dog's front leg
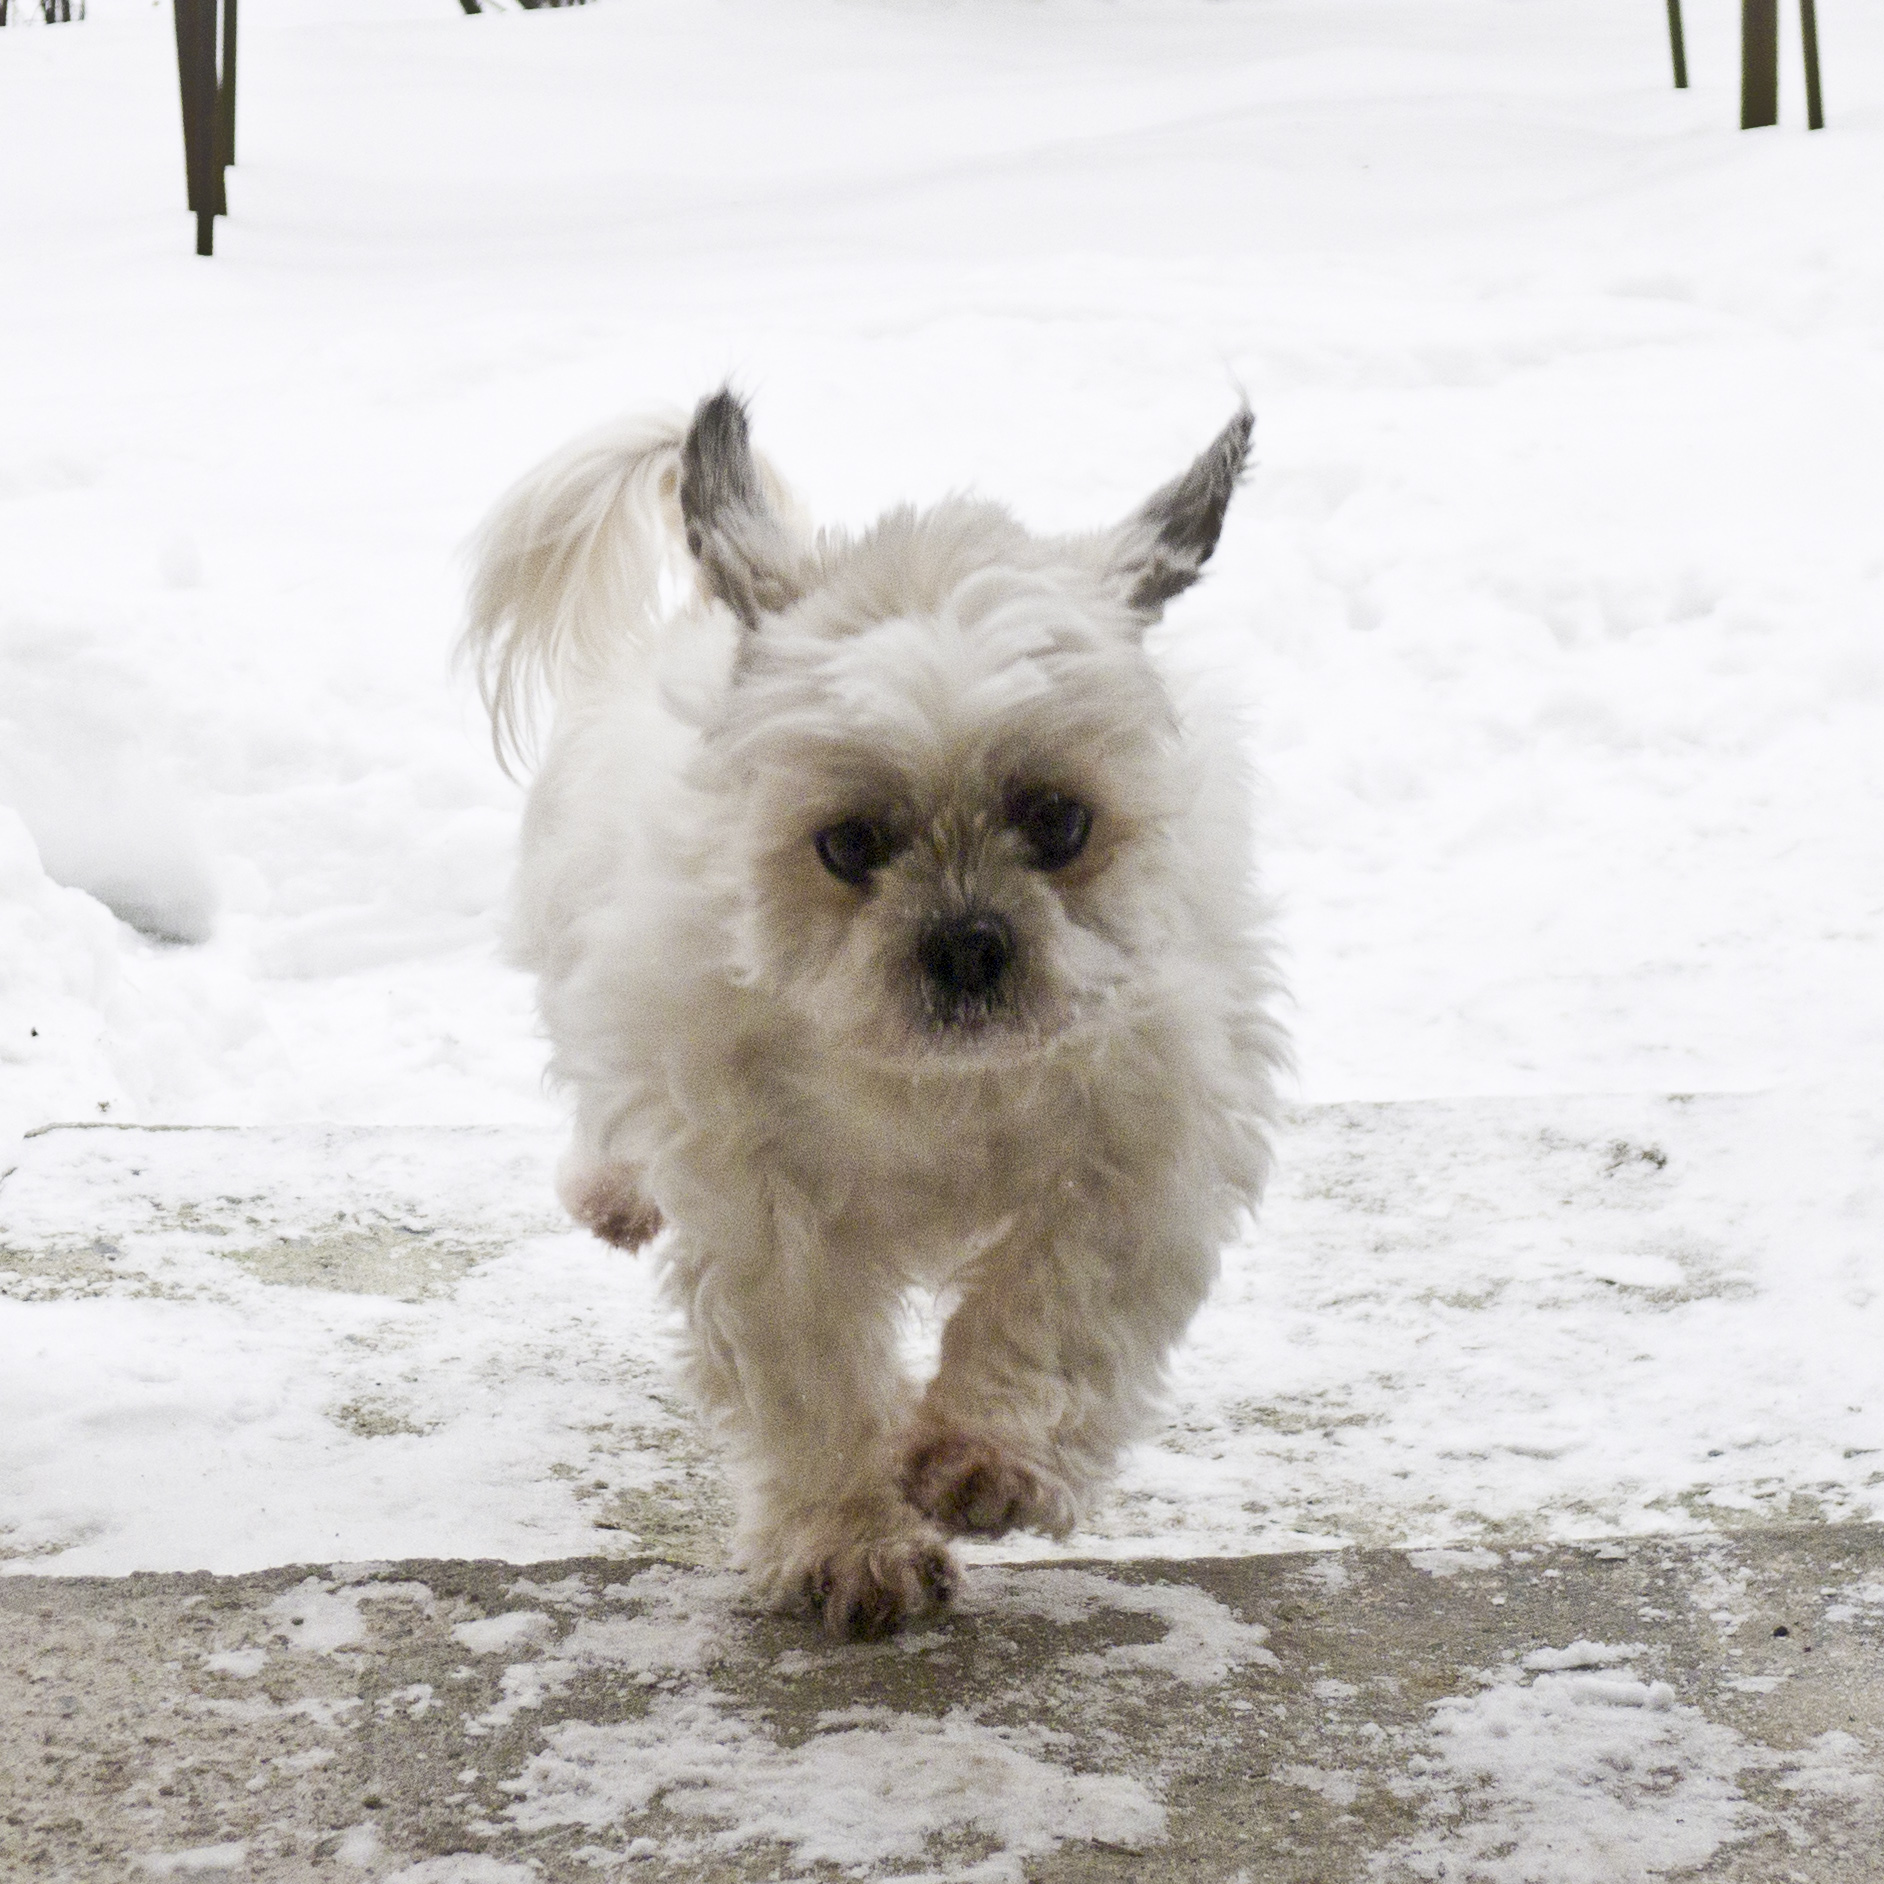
{"points": [[1051, 1364], [792, 1350]]}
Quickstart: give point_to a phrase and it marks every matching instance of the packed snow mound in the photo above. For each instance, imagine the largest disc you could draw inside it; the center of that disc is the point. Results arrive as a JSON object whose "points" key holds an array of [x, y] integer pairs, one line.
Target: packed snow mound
{"points": [[60, 959], [84, 761]]}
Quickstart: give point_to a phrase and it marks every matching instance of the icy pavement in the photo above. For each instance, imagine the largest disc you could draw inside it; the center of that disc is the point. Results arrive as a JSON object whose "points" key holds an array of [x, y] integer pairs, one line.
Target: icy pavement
{"points": [[1491, 1321], [1594, 1715]]}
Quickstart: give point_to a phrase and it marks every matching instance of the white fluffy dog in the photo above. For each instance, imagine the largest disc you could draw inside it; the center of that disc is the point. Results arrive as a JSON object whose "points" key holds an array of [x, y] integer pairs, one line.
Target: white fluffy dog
{"points": [[894, 927]]}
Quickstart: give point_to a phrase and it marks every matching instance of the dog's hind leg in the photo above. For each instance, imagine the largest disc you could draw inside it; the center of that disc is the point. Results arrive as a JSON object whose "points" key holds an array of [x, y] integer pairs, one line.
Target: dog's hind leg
{"points": [[793, 1352]]}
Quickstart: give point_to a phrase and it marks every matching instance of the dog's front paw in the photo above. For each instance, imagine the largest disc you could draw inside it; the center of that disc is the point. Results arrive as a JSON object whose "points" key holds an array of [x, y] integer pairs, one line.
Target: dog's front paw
{"points": [[975, 1487], [608, 1202], [866, 1591]]}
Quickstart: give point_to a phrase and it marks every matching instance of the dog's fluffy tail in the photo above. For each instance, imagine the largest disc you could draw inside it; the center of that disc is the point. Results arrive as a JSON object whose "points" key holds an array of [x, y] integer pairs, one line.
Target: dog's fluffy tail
{"points": [[579, 560]]}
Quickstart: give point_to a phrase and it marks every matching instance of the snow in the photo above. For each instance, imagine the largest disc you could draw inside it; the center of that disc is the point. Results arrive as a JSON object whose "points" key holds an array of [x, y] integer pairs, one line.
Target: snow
{"points": [[96, 792], [317, 1619], [1555, 604], [1463, 1324], [199, 1858], [704, 1770], [1556, 592], [1593, 1778], [858, 1796], [492, 1635], [666, 1720], [1528, 1317], [460, 1868]]}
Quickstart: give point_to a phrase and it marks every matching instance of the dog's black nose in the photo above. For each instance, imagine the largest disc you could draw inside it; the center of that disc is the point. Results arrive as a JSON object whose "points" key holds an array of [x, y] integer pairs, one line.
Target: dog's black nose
{"points": [[966, 956]]}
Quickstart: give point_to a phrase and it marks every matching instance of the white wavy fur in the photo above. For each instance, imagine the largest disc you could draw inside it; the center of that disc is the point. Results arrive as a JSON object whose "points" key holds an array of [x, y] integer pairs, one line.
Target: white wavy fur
{"points": [[827, 1106]]}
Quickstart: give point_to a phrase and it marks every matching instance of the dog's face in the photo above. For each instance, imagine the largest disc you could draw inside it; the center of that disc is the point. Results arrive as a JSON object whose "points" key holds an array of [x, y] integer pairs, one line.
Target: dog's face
{"points": [[953, 782]]}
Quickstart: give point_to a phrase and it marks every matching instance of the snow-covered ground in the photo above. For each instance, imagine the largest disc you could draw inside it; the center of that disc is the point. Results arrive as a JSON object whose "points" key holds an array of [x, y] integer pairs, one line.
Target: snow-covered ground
{"points": [[1557, 602], [1483, 1321]]}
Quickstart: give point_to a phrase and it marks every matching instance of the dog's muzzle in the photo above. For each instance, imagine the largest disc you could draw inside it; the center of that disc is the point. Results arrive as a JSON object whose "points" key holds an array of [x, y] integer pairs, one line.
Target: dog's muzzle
{"points": [[964, 961]]}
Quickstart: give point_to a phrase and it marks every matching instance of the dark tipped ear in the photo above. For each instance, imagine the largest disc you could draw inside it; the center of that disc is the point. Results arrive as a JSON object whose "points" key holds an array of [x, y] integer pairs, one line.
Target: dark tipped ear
{"points": [[1161, 549], [747, 555]]}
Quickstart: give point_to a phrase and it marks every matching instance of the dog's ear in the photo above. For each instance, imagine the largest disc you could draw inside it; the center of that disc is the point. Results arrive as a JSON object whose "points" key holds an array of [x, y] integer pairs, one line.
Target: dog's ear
{"points": [[747, 555], [1161, 548]]}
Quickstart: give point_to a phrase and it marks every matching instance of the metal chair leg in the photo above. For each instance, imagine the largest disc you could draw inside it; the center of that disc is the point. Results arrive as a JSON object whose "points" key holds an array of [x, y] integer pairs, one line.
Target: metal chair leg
{"points": [[226, 86], [1759, 63], [196, 78], [1809, 37]]}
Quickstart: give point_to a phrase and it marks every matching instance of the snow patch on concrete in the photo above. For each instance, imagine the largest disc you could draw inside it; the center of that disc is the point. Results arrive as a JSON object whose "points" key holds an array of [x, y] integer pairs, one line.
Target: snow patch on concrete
{"points": [[197, 1860], [1203, 1640], [515, 1628], [463, 1868], [242, 1663], [1569, 1766], [322, 1618], [869, 1788], [1448, 1563]]}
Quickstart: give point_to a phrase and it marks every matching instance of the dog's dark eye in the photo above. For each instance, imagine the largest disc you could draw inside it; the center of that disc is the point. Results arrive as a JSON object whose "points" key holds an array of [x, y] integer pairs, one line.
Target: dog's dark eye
{"points": [[852, 849], [1055, 826]]}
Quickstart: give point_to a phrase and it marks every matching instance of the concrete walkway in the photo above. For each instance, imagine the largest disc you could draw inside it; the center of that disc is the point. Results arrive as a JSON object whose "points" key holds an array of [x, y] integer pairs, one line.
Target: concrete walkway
{"points": [[1709, 1708]]}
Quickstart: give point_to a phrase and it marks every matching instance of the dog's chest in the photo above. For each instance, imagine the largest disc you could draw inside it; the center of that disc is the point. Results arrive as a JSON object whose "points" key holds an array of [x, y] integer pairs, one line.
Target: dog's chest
{"points": [[941, 1160]]}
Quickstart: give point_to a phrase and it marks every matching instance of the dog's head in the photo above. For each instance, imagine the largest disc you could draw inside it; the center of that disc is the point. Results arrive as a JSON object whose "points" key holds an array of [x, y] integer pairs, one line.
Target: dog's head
{"points": [[957, 786]]}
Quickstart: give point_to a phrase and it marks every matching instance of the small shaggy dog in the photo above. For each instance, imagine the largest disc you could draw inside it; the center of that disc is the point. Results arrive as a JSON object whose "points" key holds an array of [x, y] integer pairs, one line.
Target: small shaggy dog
{"points": [[894, 927]]}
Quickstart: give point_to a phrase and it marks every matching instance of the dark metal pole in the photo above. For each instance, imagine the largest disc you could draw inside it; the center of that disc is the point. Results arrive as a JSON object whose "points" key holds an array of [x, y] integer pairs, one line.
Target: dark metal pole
{"points": [[1759, 63], [1809, 34], [196, 80], [225, 96], [220, 202], [1678, 46]]}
